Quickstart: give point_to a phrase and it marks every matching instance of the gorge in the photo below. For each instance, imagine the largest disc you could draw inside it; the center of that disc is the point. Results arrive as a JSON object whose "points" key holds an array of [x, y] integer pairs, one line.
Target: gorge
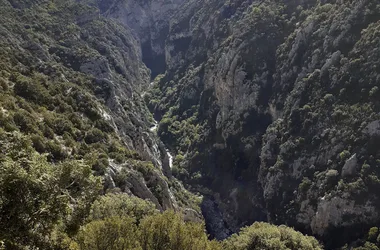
{"points": [[228, 112]]}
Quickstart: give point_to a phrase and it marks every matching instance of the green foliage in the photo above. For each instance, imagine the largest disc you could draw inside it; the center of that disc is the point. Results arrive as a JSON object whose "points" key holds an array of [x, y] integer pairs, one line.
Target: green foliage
{"points": [[31, 201], [372, 241], [24, 121], [168, 231], [31, 90], [304, 185], [367, 246], [112, 205], [181, 133], [158, 231], [117, 233], [78, 182], [94, 136], [265, 236], [373, 233], [251, 51], [374, 91], [35, 194]]}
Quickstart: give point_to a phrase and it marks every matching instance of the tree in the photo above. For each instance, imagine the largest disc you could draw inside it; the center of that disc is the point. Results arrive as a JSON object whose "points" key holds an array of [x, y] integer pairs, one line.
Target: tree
{"points": [[168, 231], [116, 233], [112, 205], [30, 200], [35, 194], [266, 236]]}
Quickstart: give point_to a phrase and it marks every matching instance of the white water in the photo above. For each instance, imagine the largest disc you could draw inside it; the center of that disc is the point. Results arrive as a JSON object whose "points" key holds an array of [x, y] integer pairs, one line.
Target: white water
{"points": [[154, 129], [155, 126], [170, 158], [144, 92]]}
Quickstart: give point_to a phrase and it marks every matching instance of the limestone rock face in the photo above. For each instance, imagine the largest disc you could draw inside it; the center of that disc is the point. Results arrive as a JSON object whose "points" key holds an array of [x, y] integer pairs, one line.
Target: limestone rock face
{"points": [[149, 22], [272, 106], [284, 109], [121, 76], [335, 211], [96, 62], [144, 187], [350, 167], [373, 128]]}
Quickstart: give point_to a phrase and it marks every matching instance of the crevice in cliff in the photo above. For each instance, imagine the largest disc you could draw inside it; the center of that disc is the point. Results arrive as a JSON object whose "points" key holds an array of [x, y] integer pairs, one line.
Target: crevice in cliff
{"points": [[155, 62]]}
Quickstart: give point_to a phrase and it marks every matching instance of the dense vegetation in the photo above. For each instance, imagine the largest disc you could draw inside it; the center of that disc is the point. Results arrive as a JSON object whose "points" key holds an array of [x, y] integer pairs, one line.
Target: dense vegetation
{"points": [[54, 206], [74, 170], [271, 108], [282, 97], [62, 67]]}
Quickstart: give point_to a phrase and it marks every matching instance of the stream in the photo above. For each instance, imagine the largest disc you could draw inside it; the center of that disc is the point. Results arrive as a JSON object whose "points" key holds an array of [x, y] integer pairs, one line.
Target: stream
{"points": [[154, 130], [215, 224], [170, 156]]}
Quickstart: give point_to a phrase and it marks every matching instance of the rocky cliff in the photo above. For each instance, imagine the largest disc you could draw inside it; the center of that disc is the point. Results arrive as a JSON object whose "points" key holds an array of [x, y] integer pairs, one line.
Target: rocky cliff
{"points": [[148, 20], [272, 108], [78, 76]]}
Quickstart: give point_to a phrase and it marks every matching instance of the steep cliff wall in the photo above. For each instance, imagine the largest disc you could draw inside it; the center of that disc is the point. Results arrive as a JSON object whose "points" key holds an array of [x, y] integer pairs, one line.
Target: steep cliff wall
{"points": [[271, 107], [73, 82], [149, 22]]}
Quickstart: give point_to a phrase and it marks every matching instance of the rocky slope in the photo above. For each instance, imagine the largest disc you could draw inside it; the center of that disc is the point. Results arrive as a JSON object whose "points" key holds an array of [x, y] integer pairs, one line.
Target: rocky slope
{"points": [[149, 22], [272, 109], [62, 61]]}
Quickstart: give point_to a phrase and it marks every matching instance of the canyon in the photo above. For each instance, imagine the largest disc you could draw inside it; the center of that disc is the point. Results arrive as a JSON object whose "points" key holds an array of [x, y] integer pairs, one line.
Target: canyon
{"points": [[229, 112], [261, 100]]}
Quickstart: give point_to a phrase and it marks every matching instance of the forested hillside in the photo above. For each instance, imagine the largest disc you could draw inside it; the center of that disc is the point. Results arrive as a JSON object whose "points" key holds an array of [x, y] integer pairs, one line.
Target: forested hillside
{"points": [[270, 109], [282, 97], [73, 124]]}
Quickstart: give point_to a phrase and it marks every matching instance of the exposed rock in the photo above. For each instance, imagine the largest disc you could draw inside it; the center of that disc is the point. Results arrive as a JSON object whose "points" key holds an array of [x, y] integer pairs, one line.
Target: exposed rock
{"points": [[278, 101], [350, 167], [109, 183], [149, 20], [338, 212], [265, 100], [145, 187], [373, 128], [137, 186], [215, 223], [192, 215]]}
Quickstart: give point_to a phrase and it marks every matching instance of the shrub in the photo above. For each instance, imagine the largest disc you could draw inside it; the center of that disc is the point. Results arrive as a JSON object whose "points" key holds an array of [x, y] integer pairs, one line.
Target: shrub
{"points": [[100, 165], [112, 205], [62, 125], [367, 246], [31, 91], [332, 173], [304, 185], [373, 233], [373, 91], [38, 143], [7, 122], [265, 236], [94, 136], [168, 231], [104, 126], [24, 121], [117, 233], [30, 201], [328, 98], [57, 153]]}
